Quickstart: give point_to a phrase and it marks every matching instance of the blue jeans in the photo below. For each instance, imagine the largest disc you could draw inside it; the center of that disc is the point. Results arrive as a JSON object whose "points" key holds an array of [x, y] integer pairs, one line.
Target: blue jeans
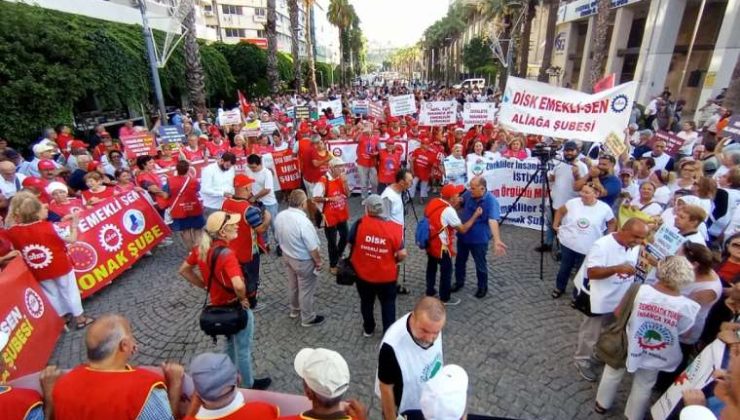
{"points": [[479, 252], [251, 271], [569, 259], [273, 210], [239, 350], [445, 277]]}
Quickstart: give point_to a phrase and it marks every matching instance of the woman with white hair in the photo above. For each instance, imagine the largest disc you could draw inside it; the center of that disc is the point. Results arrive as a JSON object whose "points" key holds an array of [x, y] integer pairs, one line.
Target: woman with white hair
{"points": [[659, 315]]}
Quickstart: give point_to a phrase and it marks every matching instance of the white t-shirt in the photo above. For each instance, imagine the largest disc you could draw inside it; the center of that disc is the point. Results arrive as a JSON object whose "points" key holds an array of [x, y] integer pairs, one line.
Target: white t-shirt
{"points": [[693, 335], [656, 321], [652, 209], [662, 195], [451, 219], [263, 180], [562, 186], [582, 225], [689, 140], [660, 161], [669, 219], [606, 293], [393, 205]]}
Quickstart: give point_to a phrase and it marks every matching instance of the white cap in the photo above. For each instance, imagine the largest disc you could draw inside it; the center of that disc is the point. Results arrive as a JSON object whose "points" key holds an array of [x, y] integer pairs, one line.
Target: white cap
{"points": [[41, 148], [696, 412], [55, 186], [325, 371], [443, 397]]}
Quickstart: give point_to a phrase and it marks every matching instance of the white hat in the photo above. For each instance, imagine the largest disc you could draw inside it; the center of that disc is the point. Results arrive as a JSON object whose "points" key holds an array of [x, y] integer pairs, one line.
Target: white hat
{"points": [[325, 371], [443, 397], [41, 148], [696, 412], [55, 186]]}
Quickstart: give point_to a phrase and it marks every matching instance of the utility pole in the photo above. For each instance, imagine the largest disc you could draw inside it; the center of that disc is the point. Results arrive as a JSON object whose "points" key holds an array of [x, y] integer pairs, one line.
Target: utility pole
{"points": [[153, 62]]}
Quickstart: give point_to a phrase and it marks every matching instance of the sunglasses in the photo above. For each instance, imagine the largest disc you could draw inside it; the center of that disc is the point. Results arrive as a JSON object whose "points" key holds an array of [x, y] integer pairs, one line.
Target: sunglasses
{"points": [[226, 220]]}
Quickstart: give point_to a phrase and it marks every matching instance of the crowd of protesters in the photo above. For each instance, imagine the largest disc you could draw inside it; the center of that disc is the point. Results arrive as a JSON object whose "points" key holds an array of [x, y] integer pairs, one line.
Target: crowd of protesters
{"points": [[228, 218]]}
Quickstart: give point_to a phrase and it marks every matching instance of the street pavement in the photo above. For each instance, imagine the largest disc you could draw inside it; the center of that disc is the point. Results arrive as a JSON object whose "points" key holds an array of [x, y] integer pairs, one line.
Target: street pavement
{"points": [[516, 344]]}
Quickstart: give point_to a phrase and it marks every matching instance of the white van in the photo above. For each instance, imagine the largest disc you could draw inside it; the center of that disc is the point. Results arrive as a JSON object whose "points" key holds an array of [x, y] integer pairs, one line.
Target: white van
{"points": [[471, 84]]}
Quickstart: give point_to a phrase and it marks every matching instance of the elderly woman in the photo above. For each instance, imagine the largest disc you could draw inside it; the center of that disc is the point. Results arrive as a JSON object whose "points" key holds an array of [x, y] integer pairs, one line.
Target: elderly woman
{"points": [[661, 178], [688, 172], [579, 223], [645, 202], [516, 149], [454, 167], [659, 315]]}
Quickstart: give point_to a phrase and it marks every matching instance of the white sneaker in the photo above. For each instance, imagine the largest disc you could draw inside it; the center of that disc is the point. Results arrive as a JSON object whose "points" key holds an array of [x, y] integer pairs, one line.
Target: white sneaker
{"points": [[452, 302]]}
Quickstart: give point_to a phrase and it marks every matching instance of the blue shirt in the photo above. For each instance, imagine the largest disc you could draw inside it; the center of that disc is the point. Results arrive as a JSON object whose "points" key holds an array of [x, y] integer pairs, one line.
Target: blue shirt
{"points": [[480, 232], [613, 187]]}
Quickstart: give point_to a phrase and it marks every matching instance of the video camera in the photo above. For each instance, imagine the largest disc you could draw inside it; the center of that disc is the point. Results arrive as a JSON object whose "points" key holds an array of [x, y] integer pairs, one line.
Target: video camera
{"points": [[543, 152]]}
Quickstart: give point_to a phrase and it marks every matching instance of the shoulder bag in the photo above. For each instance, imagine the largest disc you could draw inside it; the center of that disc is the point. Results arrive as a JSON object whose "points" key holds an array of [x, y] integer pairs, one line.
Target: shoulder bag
{"points": [[168, 210], [346, 274], [611, 347], [218, 320]]}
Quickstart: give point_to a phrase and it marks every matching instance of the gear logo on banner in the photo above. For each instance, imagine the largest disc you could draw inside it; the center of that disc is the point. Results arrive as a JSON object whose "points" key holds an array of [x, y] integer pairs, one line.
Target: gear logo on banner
{"points": [[34, 303], [84, 257], [37, 256], [337, 152], [111, 238], [133, 222], [619, 103]]}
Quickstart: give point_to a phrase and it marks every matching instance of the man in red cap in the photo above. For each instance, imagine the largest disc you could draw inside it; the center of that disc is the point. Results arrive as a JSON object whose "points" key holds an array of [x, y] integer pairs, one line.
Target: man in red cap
{"points": [[389, 162], [48, 170], [253, 223], [443, 222]]}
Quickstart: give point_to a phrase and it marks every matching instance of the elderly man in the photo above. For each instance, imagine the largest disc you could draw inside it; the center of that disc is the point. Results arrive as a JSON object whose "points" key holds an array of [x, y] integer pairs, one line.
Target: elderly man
{"points": [[325, 377], [642, 145], [299, 244], [662, 159], [377, 246], [217, 183], [217, 394], [410, 354], [76, 179], [475, 240], [108, 387], [10, 181], [40, 151], [609, 272]]}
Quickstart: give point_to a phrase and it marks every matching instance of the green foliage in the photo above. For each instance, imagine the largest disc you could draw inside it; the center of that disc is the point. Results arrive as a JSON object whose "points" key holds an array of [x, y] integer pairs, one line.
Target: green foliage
{"points": [[50, 61], [477, 54]]}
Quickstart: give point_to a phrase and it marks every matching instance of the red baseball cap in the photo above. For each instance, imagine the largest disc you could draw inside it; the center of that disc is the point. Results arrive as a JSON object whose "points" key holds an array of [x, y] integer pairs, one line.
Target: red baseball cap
{"points": [[450, 190], [46, 164], [33, 182], [93, 166], [242, 181], [488, 126], [77, 144]]}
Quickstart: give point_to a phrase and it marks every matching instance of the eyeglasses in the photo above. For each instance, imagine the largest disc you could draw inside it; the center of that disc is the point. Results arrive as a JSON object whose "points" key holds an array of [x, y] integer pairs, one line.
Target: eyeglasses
{"points": [[226, 220], [735, 245]]}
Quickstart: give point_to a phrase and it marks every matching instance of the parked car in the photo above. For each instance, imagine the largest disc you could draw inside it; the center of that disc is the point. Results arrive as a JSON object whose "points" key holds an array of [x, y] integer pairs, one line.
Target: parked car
{"points": [[471, 84]]}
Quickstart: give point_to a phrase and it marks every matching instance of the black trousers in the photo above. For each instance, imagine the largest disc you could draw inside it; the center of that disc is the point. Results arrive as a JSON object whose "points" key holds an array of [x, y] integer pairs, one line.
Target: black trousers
{"points": [[336, 247], [386, 294]]}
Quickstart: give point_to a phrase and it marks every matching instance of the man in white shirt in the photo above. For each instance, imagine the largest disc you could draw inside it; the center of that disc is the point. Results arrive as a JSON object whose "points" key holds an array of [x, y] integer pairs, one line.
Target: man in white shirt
{"points": [[299, 244], [217, 183], [10, 183], [393, 196], [662, 160], [263, 187], [40, 151], [609, 270]]}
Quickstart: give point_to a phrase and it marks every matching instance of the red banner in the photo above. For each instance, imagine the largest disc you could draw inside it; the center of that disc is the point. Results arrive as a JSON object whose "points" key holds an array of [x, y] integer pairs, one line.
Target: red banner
{"points": [[139, 144], [673, 142], [29, 326], [605, 83], [286, 168], [112, 236]]}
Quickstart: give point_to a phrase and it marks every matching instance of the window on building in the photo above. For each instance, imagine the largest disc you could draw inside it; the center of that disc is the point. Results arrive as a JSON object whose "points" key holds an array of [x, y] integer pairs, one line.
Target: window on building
{"points": [[208, 8], [230, 9], [260, 11], [235, 33], [261, 33]]}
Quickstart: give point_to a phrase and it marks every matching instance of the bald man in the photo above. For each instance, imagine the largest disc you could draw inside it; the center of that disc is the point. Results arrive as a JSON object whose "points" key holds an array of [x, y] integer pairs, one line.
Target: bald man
{"points": [[10, 180], [410, 354], [106, 387]]}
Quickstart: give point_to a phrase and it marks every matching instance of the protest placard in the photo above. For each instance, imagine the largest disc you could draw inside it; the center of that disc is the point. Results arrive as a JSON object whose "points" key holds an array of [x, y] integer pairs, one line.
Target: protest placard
{"points": [[614, 145], [286, 169], [335, 106], [455, 171], [268, 127], [347, 151], [732, 130], [252, 129], [666, 241], [607, 82], [673, 142], [30, 326], [360, 106], [337, 122], [402, 105], [111, 237], [539, 108], [438, 113], [233, 117], [302, 112], [140, 144], [478, 113], [171, 136]]}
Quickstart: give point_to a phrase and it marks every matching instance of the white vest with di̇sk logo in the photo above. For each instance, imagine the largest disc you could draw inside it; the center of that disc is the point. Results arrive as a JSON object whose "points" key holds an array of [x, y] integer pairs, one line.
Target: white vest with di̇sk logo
{"points": [[417, 364]]}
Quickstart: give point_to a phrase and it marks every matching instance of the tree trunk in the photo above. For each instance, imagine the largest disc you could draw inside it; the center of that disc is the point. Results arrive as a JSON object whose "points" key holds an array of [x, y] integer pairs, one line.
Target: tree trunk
{"points": [[732, 97], [507, 34], [598, 45], [526, 35], [309, 48], [273, 77], [552, 16], [295, 26], [342, 48], [194, 74]]}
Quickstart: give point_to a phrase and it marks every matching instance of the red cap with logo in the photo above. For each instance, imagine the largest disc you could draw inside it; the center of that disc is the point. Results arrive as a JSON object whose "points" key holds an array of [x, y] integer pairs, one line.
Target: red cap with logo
{"points": [[242, 181], [46, 165]]}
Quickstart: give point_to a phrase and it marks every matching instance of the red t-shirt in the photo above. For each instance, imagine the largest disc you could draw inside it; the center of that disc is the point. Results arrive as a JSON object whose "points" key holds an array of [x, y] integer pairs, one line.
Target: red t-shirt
{"points": [[423, 161], [226, 268], [73, 205], [314, 173], [366, 149], [106, 192], [728, 271], [217, 149]]}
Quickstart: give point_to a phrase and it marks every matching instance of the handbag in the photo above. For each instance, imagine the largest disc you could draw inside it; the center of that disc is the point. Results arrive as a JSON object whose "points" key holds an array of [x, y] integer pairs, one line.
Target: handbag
{"points": [[168, 211], [218, 320], [346, 274], [611, 347]]}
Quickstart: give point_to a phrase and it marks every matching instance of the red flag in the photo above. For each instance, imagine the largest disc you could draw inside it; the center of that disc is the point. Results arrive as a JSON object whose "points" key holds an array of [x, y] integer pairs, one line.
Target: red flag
{"points": [[243, 104], [606, 83]]}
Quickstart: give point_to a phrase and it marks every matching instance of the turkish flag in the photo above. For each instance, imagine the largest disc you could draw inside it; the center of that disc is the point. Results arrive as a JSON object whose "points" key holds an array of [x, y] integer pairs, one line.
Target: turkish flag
{"points": [[243, 104], [606, 83]]}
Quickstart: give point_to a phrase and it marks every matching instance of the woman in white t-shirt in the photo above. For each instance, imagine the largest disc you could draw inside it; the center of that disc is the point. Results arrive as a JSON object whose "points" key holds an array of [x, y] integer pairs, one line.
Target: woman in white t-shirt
{"points": [[705, 290], [579, 223], [659, 315], [646, 201], [690, 137], [454, 167], [688, 172], [661, 178]]}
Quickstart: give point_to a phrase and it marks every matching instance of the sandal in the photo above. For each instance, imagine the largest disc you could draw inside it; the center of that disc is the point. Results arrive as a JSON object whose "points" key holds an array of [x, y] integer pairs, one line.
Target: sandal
{"points": [[599, 409], [556, 293], [79, 325]]}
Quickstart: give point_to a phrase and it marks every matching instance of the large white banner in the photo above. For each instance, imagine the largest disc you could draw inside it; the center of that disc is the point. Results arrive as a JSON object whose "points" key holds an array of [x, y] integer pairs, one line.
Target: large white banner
{"points": [[335, 105], [402, 105], [478, 113], [347, 150], [233, 117], [438, 113], [538, 108], [506, 179]]}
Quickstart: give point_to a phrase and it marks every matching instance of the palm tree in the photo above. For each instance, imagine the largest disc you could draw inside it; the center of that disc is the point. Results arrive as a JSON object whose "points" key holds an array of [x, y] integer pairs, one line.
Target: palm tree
{"points": [[339, 16], [355, 44], [598, 44], [529, 14], [309, 49], [552, 15], [273, 77], [295, 27], [194, 74]]}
